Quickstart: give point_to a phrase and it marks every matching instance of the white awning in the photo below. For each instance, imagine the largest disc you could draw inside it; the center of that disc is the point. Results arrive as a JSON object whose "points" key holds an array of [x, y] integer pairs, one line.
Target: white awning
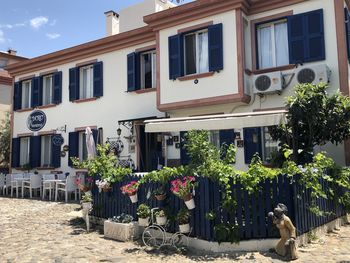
{"points": [[217, 122]]}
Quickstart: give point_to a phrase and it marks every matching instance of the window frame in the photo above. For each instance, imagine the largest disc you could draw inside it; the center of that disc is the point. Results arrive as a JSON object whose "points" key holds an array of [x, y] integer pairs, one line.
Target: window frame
{"points": [[196, 33], [21, 162], [82, 149], [153, 53], [44, 90], [271, 24], [43, 152], [264, 141], [29, 98], [81, 84]]}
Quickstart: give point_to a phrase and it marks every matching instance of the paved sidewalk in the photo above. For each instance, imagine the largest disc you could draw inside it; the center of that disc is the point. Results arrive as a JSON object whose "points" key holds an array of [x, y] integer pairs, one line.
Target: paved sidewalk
{"points": [[36, 231]]}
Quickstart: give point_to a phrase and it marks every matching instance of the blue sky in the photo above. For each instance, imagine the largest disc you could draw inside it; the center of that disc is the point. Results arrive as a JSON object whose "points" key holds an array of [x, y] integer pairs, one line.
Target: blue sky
{"points": [[38, 27]]}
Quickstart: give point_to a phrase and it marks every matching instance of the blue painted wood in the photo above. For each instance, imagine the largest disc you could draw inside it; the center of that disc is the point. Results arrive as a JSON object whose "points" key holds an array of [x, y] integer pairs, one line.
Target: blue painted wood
{"points": [[239, 209], [262, 216], [247, 224], [254, 209]]}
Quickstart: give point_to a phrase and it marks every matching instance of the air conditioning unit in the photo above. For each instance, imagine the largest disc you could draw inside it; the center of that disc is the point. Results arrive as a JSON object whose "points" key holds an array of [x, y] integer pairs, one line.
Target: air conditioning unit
{"points": [[268, 83], [313, 74]]}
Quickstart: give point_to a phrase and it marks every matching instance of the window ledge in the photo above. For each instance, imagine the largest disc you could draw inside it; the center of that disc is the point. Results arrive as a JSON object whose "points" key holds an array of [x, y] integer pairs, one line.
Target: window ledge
{"points": [[44, 168], [47, 106], [196, 76], [85, 100], [24, 110], [267, 70], [140, 91]]}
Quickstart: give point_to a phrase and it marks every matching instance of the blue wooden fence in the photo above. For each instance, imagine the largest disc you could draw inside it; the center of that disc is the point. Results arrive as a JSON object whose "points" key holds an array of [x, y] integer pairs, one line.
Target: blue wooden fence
{"points": [[250, 213]]}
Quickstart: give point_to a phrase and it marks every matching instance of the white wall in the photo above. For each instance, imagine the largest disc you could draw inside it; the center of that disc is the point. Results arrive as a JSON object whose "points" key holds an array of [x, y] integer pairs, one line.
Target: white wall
{"points": [[116, 104], [222, 83]]}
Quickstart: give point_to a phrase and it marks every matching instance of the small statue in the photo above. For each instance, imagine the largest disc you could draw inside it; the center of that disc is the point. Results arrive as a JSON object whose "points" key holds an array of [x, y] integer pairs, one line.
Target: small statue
{"points": [[286, 245]]}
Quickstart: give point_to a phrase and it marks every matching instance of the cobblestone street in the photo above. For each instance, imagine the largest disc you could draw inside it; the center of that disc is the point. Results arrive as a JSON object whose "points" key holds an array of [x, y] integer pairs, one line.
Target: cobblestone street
{"points": [[36, 231]]}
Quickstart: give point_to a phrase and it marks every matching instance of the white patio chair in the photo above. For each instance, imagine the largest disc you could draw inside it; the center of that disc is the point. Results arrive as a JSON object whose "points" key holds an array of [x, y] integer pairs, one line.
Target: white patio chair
{"points": [[48, 185], [16, 183], [8, 180], [33, 183], [2, 183], [68, 186]]}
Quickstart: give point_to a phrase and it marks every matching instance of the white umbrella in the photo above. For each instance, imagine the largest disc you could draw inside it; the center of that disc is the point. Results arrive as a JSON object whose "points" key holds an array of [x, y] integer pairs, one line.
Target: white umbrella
{"points": [[90, 143]]}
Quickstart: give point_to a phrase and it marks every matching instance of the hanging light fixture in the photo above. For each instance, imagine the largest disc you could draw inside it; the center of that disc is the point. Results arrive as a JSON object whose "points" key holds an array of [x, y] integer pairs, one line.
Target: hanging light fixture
{"points": [[119, 131]]}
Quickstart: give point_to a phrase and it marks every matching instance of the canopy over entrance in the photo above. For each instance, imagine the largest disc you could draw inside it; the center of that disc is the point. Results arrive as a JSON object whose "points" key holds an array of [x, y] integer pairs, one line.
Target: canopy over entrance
{"points": [[217, 122]]}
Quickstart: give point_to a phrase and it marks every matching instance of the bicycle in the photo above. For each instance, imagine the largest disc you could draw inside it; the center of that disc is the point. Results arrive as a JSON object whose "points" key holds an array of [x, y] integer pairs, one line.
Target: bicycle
{"points": [[155, 236]]}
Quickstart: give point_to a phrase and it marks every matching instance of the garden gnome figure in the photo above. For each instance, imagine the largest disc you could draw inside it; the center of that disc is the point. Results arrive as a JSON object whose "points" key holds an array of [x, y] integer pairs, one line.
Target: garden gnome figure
{"points": [[286, 245]]}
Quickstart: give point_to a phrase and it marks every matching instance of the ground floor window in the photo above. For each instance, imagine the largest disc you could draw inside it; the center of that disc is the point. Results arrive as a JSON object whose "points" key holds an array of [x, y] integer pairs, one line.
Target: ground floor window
{"points": [[269, 146], [24, 151], [46, 152], [83, 154]]}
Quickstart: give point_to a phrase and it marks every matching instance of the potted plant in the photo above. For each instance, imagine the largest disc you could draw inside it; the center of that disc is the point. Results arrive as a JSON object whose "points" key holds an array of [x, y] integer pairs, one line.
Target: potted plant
{"points": [[183, 217], [182, 189], [161, 217], [121, 228], [103, 185], [130, 189], [143, 212], [86, 201]]}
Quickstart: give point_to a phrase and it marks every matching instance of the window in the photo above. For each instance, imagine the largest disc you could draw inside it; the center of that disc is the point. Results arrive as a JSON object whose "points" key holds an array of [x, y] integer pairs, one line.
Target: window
{"points": [[269, 145], [46, 152], [86, 82], [82, 146], [24, 151], [148, 69], [3, 63], [214, 138], [47, 89], [273, 44], [196, 52], [26, 94]]}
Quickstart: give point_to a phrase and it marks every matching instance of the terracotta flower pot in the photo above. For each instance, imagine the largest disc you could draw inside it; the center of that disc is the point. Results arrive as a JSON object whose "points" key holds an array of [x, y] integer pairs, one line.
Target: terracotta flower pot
{"points": [[84, 188], [184, 228], [160, 197], [107, 189]]}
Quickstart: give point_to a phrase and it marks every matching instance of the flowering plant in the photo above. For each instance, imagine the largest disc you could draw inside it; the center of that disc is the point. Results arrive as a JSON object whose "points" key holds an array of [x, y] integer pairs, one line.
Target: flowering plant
{"points": [[182, 188], [130, 188], [84, 186], [103, 185]]}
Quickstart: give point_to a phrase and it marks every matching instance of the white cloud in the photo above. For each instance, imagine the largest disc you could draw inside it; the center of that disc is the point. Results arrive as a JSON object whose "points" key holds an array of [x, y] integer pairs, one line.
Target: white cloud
{"points": [[53, 35], [2, 37], [9, 26], [53, 22], [38, 22]]}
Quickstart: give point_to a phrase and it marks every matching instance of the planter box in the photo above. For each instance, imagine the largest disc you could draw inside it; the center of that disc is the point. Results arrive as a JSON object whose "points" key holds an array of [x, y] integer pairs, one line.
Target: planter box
{"points": [[120, 231]]}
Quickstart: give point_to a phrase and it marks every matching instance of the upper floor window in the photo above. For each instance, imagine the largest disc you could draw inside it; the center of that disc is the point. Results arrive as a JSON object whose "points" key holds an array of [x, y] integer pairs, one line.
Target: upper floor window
{"points": [[26, 94], [47, 89], [86, 82], [273, 44], [46, 151], [3, 63], [148, 69], [196, 52], [24, 151]]}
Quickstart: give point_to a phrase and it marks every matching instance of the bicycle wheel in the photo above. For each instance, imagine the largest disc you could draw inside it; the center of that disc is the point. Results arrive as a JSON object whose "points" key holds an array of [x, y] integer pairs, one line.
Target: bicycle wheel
{"points": [[180, 240], [153, 236]]}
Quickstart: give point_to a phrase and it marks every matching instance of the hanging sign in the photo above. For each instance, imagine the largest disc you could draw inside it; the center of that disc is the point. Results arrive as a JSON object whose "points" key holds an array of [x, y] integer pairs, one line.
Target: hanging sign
{"points": [[36, 120], [57, 140]]}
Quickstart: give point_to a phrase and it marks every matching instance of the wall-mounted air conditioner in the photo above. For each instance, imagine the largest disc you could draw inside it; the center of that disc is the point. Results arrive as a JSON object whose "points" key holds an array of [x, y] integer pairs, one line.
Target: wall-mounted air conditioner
{"points": [[268, 83], [313, 74]]}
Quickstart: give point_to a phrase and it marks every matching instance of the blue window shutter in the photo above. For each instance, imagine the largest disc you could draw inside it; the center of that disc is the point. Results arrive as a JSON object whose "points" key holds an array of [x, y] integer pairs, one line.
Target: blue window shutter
{"points": [[36, 91], [251, 147], [16, 144], [133, 68], [55, 156], [347, 30], [17, 96], [215, 47], [73, 84], [73, 140], [94, 135], [185, 158], [57, 88], [176, 61], [98, 79], [227, 137], [306, 37], [35, 151]]}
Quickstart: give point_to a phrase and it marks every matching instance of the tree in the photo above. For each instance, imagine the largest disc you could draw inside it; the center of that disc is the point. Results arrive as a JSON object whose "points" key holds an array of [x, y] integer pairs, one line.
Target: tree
{"points": [[314, 118], [5, 139]]}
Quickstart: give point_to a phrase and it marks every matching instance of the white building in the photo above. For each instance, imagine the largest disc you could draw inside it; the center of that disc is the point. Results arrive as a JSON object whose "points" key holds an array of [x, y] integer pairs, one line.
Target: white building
{"points": [[201, 58]]}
